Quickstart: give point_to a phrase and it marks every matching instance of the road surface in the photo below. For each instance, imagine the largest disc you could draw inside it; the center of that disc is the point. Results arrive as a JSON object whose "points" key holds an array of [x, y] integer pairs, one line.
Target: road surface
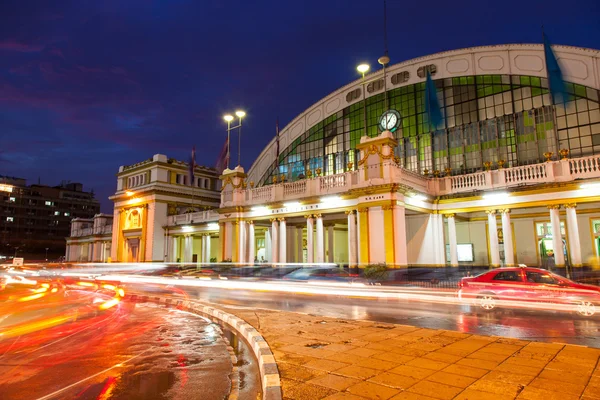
{"points": [[133, 351]]}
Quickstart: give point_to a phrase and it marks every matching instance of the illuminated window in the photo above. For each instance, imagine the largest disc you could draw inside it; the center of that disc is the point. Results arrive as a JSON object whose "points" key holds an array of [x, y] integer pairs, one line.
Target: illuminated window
{"points": [[10, 219], [67, 214], [12, 199], [48, 203], [56, 212]]}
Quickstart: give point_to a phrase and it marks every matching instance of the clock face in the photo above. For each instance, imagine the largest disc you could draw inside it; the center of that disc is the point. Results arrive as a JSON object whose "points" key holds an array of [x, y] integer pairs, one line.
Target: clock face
{"points": [[389, 121]]}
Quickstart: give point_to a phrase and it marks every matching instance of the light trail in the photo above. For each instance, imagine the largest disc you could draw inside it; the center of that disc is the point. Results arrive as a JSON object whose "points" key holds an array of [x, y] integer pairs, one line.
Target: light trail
{"points": [[343, 290]]}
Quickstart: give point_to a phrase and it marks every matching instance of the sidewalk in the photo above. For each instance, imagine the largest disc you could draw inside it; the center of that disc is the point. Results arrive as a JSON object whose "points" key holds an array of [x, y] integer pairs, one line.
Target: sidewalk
{"points": [[328, 358]]}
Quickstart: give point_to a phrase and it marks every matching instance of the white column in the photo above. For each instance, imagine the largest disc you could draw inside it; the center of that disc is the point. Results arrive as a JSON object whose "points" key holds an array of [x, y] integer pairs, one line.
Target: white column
{"points": [[573, 228], [274, 240], [557, 243], [203, 248], [268, 244], [67, 255], [207, 248], [509, 251], [174, 249], [441, 240], [400, 249], [251, 242], [452, 240], [493, 235], [242, 242], [282, 241], [299, 244], [90, 256], [320, 240], [189, 248], [228, 240], [330, 248], [310, 248], [352, 242]]}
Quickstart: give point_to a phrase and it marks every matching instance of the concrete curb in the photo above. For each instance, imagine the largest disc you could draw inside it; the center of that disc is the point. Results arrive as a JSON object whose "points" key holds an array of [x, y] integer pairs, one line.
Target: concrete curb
{"points": [[269, 374]]}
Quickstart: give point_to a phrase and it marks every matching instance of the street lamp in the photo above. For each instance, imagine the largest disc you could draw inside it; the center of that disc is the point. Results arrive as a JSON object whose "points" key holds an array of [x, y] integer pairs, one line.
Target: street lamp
{"points": [[363, 69], [228, 117], [240, 114]]}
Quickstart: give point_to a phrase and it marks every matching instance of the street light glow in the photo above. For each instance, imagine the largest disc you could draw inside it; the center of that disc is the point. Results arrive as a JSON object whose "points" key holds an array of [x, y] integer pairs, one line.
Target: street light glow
{"points": [[240, 114], [228, 117], [363, 68]]}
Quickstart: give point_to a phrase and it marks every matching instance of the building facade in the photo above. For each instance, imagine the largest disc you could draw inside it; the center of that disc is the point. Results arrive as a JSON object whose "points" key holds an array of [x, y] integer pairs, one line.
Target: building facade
{"points": [[509, 178], [36, 217]]}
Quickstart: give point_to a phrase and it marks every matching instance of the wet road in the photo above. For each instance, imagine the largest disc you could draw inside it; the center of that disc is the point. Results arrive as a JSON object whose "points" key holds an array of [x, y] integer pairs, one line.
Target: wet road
{"points": [[540, 325], [133, 351]]}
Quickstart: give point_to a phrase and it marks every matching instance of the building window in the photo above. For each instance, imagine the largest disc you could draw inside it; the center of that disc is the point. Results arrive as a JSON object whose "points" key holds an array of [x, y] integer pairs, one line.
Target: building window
{"points": [[67, 214], [56, 212], [12, 199], [48, 203], [10, 219]]}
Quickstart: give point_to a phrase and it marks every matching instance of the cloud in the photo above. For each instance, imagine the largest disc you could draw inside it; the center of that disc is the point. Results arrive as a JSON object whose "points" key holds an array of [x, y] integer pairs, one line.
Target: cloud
{"points": [[13, 45]]}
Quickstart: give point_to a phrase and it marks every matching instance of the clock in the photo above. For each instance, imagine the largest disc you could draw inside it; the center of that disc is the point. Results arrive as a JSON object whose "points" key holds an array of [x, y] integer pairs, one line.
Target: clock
{"points": [[389, 121]]}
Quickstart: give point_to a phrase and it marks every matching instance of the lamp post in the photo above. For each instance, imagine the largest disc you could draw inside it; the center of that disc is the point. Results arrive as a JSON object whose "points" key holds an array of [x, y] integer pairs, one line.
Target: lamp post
{"points": [[228, 117], [363, 69], [240, 114]]}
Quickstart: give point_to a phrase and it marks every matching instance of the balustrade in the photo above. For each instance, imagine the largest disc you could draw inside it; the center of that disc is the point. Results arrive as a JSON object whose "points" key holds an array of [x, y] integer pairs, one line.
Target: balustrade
{"points": [[527, 173], [585, 167]]}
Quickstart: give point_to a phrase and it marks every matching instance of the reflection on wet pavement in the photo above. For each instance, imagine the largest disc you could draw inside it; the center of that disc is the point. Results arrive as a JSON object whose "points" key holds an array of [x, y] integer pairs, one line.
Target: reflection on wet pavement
{"points": [[548, 326], [142, 352]]}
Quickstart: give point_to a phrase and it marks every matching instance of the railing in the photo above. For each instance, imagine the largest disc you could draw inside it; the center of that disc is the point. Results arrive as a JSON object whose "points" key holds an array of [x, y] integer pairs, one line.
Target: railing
{"points": [[261, 193], [332, 181], [526, 174], [548, 172], [586, 167], [103, 230], [196, 217], [462, 183], [294, 188]]}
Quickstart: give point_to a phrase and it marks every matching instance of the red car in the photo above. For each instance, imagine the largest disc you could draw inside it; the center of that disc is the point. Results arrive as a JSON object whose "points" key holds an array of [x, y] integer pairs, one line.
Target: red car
{"points": [[524, 284]]}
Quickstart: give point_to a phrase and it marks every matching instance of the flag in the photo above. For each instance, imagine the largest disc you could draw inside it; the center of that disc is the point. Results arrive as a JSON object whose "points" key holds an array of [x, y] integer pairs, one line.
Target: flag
{"points": [[222, 159], [432, 105], [277, 134], [192, 166], [555, 78]]}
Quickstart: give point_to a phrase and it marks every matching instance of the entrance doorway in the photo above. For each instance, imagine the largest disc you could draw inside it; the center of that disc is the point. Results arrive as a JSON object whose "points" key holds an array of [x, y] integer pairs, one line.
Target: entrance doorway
{"points": [[133, 246]]}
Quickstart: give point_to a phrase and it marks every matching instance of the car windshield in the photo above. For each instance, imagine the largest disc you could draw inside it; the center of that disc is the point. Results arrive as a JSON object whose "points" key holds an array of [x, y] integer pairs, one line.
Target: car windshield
{"points": [[541, 277]]}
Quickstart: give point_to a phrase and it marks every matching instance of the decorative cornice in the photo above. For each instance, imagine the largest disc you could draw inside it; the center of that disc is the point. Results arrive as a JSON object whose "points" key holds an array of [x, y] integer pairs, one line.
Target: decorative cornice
{"points": [[554, 207], [570, 205]]}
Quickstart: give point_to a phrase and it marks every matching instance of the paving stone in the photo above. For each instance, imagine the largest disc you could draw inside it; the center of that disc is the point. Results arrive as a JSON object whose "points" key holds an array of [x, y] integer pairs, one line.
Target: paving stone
{"points": [[411, 396], [377, 364], [435, 390], [305, 391], [363, 352], [555, 386], [487, 356], [383, 346], [451, 379], [393, 357], [343, 396], [298, 373], [355, 371], [338, 347], [503, 349], [345, 358], [564, 376], [427, 363], [335, 382], [394, 380], [518, 368], [509, 377], [533, 393], [413, 372], [476, 363], [372, 390], [496, 386], [471, 394], [447, 358], [465, 371], [325, 365]]}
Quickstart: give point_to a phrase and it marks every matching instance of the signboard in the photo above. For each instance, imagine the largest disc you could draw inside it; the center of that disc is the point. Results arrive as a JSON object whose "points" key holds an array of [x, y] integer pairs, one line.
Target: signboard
{"points": [[6, 188], [18, 262]]}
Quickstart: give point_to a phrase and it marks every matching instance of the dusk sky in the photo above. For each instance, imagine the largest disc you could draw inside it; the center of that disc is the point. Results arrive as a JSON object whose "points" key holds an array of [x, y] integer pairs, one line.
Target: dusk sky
{"points": [[87, 86]]}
